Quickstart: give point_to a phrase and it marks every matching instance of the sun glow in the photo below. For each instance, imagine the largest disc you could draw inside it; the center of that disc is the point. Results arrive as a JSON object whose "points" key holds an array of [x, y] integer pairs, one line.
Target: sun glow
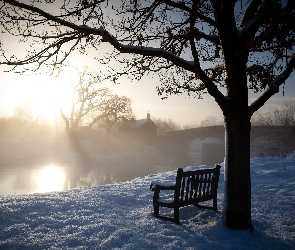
{"points": [[50, 178], [42, 95]]}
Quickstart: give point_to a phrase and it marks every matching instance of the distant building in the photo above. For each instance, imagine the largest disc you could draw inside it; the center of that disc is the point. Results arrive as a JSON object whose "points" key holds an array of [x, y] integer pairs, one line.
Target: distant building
{"points": [[144, 129]]}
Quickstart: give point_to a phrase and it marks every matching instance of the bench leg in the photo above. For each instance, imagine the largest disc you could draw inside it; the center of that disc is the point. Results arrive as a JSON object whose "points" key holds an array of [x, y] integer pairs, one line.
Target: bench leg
{"points": [[156, 210], [215, 204], [155, 203], [176, 214]]}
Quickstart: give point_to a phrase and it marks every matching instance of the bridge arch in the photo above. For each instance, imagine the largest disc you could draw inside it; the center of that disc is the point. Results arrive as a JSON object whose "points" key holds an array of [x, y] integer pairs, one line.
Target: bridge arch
{"points": [[207, 152]]}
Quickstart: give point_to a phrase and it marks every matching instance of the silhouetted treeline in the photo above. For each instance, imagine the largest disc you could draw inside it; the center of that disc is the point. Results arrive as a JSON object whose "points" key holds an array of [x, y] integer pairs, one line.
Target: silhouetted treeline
{"points": [[19, 129]]}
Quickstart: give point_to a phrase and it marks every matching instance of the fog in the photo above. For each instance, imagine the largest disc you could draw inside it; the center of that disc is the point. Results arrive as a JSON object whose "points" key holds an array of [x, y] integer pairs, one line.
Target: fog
{"points": [[44, 158], [37, 157]]}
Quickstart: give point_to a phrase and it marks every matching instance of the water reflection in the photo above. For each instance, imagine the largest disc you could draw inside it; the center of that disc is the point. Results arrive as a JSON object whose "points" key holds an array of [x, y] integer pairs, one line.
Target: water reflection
{"points": [[49, 178], [62, 176], [36, 165], [28, 179]]}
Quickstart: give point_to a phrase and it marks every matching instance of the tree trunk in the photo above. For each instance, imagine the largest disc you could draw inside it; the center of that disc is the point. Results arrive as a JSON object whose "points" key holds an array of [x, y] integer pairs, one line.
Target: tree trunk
{"points": [[237, 205]]}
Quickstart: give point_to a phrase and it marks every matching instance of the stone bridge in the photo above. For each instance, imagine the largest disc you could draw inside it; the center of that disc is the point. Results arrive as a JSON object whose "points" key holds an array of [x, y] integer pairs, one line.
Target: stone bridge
{"points": [[219, 132], [177, 142]]}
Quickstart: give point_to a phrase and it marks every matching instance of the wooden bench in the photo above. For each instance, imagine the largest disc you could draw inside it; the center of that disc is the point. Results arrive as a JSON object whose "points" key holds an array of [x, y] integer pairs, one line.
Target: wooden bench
{"points": [[191, 187]]}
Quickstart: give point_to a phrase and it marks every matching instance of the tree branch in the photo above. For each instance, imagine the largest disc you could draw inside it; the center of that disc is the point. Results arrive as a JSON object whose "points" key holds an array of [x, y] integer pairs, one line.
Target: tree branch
{"points": [[178, 5], [107, 37], [182, 6], [273, 86], [251, 11]]}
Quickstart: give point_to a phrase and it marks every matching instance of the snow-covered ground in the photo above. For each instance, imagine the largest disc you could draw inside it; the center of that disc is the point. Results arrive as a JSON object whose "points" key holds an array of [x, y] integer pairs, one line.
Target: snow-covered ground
{"points": [[119, 216]]}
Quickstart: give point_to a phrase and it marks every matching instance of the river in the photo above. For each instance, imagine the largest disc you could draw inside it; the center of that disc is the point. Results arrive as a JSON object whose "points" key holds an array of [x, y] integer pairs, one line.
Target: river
{"points": [[29, 169], [52, 176]]}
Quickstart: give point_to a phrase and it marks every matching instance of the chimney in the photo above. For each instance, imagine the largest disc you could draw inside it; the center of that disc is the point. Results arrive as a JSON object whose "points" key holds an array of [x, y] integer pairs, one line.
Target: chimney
{"points": [[148, 116]]}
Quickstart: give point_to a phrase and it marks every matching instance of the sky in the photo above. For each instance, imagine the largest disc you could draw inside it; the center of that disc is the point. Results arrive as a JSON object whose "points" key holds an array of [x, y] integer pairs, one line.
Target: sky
{"points": [[43, 94], [120, 216], [40, 91]]}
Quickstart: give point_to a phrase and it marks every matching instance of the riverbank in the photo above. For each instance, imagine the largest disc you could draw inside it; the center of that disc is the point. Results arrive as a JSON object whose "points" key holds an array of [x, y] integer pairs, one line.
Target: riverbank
{"points": [[119, 216]]}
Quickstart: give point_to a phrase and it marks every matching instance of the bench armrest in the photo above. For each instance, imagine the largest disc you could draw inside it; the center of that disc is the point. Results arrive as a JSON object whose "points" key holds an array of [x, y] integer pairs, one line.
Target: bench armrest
{"points": [[161, 186]]}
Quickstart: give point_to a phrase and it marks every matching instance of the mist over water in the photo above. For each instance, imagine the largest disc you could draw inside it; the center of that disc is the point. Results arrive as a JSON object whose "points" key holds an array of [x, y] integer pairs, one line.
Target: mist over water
{"points": [[44, 165], [46, 162], [35, 158]]}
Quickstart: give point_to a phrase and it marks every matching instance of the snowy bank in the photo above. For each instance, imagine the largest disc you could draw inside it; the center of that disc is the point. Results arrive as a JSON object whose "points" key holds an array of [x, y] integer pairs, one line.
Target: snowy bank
{"points": [[119, 216]]}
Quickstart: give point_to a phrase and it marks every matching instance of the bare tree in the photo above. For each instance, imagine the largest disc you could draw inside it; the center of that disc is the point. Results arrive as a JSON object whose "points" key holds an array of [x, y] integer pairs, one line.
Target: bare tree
{"points": [[209, 121], [87, 95], [165, 125], [111, 111], [195, 47], [23, 116], [282, 120], [23, 125]]}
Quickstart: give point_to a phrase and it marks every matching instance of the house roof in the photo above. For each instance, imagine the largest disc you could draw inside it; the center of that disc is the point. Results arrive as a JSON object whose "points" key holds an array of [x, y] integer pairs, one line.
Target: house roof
{"points": [[139, 123], [136, 123]]}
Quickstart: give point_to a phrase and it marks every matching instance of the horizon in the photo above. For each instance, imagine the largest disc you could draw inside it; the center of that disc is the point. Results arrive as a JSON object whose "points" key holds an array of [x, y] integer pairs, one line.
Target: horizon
{"points": [[14, 92]]}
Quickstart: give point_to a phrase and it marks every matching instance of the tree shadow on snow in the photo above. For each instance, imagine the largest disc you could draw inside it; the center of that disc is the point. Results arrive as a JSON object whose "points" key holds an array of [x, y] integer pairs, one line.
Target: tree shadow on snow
{"points": [[208, 230]]}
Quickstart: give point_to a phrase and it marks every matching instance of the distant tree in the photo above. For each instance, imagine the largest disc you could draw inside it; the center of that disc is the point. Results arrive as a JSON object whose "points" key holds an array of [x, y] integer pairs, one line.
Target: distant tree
{"points": [[165, 125], [87, 95], [22, 116], [283, 116], [190, 125], [209, 121], [111, 111], [195, 47], [5, 127], [23, 125], [283, 119]]}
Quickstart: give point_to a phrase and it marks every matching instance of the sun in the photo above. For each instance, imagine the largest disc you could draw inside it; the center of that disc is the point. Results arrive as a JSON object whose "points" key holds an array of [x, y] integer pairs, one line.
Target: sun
{"points": [[42, 94]]}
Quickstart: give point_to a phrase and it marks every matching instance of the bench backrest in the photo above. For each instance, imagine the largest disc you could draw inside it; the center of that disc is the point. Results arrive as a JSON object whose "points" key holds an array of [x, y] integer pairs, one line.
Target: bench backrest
{"points": [[198, 185]]}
